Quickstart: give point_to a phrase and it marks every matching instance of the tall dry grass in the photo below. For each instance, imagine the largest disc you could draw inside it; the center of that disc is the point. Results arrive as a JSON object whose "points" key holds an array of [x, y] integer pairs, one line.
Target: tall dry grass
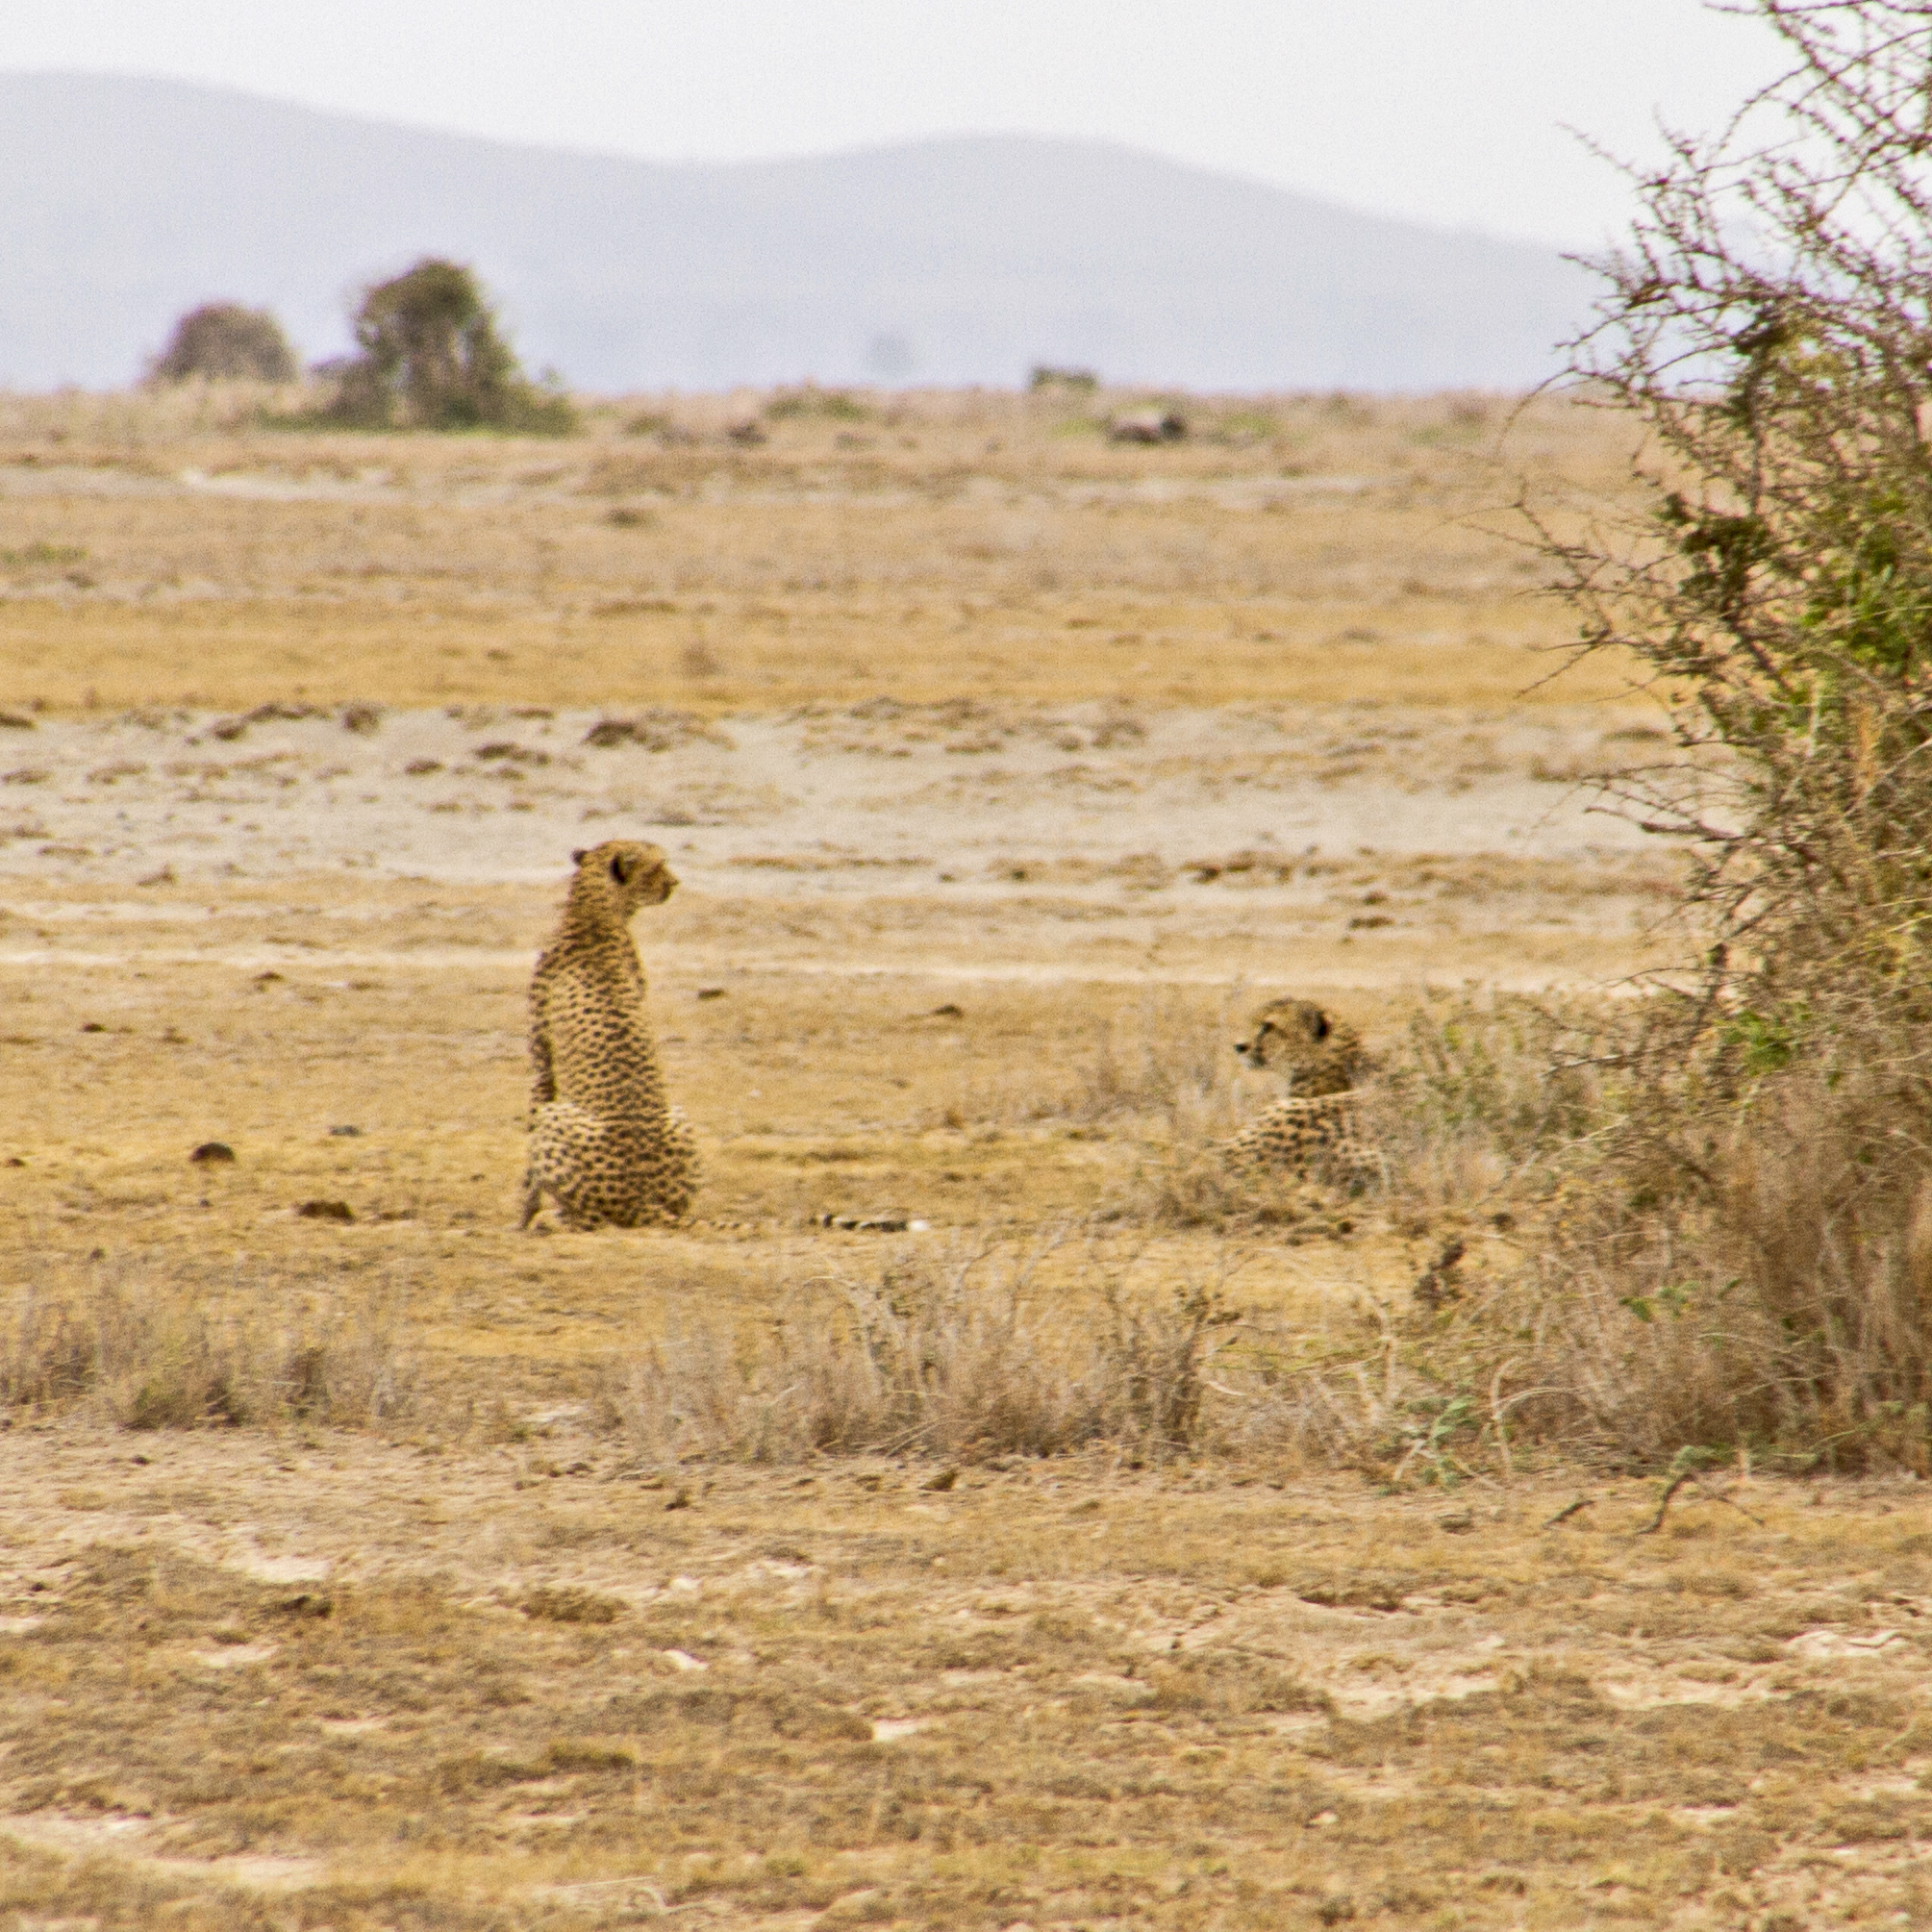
{"points": [[972, 1357], [147, 1356], [952, 1357], [959, 1357], [1169, 1061], [1776, 1303], [1487, 1098], [1164, 1067], [1726, 1254], [1474, 1108], [1694, 1268]]}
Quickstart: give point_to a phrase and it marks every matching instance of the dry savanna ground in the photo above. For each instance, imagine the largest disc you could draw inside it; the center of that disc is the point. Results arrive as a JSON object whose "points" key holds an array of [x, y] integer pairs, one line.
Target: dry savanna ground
{"points": [[1005, 769]]}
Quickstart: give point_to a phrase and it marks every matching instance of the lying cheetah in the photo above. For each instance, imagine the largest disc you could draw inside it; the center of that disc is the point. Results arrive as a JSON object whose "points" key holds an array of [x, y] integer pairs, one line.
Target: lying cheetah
{"points": [[1318, 1125], [603, 1143]]}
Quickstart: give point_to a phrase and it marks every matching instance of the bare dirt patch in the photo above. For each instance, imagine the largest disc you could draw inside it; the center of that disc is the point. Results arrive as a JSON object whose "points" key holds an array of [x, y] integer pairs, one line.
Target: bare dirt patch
{"points": [[1057, 1692]]}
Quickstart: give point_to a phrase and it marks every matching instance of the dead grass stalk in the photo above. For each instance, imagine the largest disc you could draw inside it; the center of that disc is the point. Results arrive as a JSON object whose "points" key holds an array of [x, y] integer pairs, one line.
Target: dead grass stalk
{"points": [[960, 1358], [153, 1359]]}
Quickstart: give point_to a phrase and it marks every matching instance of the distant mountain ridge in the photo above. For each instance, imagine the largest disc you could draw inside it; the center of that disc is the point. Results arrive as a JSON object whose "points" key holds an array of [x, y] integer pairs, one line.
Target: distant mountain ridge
{"points": [[960, 259]]}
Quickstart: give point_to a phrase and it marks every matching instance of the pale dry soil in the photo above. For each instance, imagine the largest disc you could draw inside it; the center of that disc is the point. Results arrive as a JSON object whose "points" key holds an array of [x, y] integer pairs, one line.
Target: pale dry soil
{"points": [[992, 756], [302, 1680], [909, 945], [1005, 771], [1297, 549]]}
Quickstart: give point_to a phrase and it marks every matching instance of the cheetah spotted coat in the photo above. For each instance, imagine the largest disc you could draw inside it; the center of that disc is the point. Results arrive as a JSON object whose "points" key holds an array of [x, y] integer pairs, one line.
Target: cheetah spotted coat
{"points": [[604, 1144], [1318, 1128]]}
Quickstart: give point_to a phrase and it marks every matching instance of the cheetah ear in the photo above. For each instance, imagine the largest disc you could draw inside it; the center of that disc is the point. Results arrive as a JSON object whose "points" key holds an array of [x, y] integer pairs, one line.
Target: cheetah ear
{"points": [[576, 858], [1322, 1026], [621, 869]]}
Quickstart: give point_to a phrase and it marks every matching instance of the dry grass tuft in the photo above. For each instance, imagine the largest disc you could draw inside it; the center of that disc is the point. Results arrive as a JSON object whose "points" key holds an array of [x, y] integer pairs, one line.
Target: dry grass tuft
{"points": [[160, 1362], [1231, 1682], [1486, 1098], [1170, 1062], [1192, 1187], [1756, 1291], [961, 1359], [1774, 1304], [1474, 1108], [566, 1603], [974, 1359]]}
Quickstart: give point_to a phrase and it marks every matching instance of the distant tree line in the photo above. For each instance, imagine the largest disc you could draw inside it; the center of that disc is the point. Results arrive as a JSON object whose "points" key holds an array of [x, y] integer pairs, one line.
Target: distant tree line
{"points": [[431, 356]]}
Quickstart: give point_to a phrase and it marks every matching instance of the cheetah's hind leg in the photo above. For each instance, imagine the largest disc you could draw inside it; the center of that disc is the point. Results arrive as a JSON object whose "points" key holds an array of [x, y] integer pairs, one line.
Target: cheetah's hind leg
{"points": [[560, 1136]]}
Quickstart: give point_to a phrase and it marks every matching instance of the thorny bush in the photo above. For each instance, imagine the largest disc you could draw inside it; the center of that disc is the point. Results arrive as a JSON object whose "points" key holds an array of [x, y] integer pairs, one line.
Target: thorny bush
{"points": [[1747, 1263]]}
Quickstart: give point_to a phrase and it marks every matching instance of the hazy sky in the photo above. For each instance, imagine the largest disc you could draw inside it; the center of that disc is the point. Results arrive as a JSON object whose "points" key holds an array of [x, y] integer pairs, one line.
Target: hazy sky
{"points": [[1449, 112]]}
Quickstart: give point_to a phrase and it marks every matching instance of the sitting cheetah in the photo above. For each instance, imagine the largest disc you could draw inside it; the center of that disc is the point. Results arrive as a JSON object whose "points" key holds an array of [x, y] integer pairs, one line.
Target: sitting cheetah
{"points": [[1317, 1125], [603, 1143]]}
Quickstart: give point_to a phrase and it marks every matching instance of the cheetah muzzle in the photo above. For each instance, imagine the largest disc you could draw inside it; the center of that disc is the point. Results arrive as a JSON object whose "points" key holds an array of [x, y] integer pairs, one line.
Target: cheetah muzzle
{"points": [[605, 1145]]}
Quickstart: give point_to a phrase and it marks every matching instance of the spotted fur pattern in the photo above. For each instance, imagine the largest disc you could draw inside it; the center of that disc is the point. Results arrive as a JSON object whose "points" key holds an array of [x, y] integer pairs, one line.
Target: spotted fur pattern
{"points": [[604, 1143], [1318, 1128]]}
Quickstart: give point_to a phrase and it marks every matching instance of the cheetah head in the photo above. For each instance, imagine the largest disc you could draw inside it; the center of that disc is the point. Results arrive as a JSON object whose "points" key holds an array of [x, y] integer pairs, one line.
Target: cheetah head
{"points": [[630, 872], [1297, 1039]]}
